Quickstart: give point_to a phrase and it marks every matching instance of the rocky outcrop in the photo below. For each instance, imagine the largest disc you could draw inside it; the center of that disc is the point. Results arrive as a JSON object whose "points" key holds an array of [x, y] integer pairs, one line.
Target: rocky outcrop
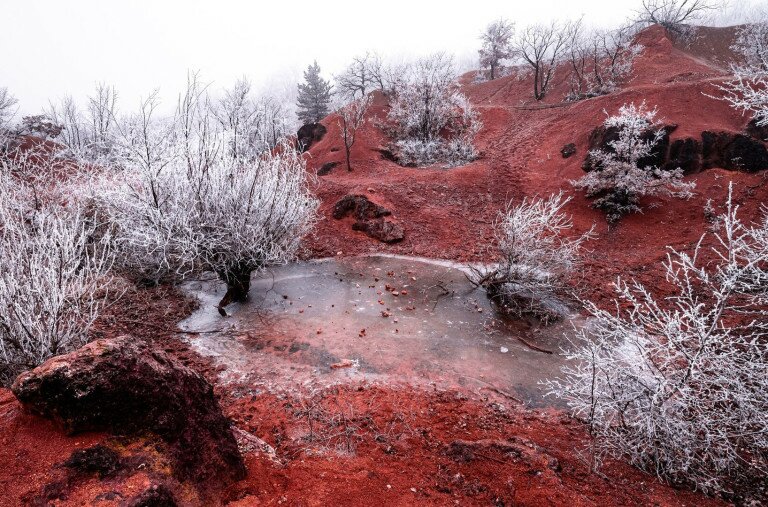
{"points": [[568, 150], [309, 134], [759, 132], [386, 231], [602, 137], [126, 387], [370, 218], [737, 152], [685, 154], [726, 150]]}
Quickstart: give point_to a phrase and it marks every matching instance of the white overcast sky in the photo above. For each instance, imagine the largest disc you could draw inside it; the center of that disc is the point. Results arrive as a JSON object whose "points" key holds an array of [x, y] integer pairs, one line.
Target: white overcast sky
{"points": [[51, 48]]}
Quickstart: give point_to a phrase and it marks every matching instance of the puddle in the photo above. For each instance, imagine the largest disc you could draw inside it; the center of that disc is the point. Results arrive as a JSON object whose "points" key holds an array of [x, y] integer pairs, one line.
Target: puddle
{"points": [[396, 319]]}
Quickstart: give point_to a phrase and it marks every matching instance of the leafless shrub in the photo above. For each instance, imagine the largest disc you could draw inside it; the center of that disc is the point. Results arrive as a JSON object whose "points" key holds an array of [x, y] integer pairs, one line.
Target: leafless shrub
{"points": [[679, 385], [53, 277], [535, 258]]}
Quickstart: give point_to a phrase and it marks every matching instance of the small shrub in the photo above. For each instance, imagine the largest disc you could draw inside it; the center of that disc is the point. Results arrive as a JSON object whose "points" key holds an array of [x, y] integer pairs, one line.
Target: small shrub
{"points": [[620, 178], [535, 259]]}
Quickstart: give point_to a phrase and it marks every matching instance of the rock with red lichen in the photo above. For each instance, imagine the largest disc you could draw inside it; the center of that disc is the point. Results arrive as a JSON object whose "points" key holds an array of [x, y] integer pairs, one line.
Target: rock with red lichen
{"points": [[125, 386]]}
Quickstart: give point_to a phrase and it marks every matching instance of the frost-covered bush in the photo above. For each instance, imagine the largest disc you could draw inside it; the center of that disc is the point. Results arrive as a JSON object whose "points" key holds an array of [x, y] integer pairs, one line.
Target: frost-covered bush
{"points": [[748, 90], [429, 119], [535, 258], [53, 276], [620, 176], [679, 384], [187, 204]]}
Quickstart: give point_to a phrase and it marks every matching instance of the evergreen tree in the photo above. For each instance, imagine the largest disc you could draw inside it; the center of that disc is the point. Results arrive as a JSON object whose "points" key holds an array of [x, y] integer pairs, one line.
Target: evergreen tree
{"points": [[314, 96]]}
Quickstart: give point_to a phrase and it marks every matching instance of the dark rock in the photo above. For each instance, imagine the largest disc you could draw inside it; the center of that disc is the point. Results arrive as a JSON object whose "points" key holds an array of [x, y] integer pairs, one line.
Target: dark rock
{"points": [[385, 230], [758, 132], [602, 137], [684, 154], [369, 218], [326, 168], [387, 155], [360, 207], [98, 459], [124, 386], [157, 495], [568, 150], [733, 151], [310, 134]]}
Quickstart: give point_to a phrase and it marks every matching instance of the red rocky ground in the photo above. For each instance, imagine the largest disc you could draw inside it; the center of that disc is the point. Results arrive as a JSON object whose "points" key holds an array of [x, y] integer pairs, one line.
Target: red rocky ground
{"points": [[393, 445]]}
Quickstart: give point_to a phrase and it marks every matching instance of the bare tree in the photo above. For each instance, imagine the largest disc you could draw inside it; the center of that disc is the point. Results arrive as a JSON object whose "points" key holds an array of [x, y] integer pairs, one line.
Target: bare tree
{"points": [[187, 205], [497, 45], [102, 116], [542, 47], [351, 118], [674, 14], [358, 78], [600, 60], [7, 112], [66, 114], [679, 385]]}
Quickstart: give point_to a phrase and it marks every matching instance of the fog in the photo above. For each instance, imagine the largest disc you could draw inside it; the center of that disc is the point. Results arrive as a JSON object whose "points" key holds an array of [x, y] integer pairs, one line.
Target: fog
{"points": [[53, 48]]}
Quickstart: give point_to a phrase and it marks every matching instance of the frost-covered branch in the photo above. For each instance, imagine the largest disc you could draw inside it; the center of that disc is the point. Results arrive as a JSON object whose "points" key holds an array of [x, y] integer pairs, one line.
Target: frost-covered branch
{"points": [[620, 176], [536, 258], [679, 385], [430, 119], [188, 205], [53, 277]]}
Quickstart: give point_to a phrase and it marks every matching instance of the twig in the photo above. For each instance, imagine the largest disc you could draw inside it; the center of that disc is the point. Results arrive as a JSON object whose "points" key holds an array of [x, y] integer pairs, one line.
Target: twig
{"points": [[534, 347]]}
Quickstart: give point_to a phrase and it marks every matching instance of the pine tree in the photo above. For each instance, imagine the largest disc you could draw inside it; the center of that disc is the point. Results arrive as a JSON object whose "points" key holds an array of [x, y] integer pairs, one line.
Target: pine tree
{"points": [[314, 96]]}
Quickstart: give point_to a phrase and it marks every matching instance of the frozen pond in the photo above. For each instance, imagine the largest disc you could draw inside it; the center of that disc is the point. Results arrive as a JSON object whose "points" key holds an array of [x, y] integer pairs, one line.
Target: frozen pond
{"points": [[380, 318]]}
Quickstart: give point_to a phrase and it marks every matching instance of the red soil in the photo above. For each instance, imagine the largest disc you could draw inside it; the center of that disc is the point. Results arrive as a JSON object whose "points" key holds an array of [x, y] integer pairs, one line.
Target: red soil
{"points": [[449, 213], [403, 446]]}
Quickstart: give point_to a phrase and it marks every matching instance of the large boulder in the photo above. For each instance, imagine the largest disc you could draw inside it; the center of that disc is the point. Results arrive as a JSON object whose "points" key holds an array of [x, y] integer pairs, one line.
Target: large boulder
{"points": [[126, 387], [383, 229], [733, 151], [369, 218], [358, 206], [309, 134]]}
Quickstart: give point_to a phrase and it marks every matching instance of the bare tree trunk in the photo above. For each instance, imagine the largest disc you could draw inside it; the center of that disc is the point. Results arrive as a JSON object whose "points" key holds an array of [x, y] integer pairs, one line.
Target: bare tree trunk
{"points": [[238, 280]]}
